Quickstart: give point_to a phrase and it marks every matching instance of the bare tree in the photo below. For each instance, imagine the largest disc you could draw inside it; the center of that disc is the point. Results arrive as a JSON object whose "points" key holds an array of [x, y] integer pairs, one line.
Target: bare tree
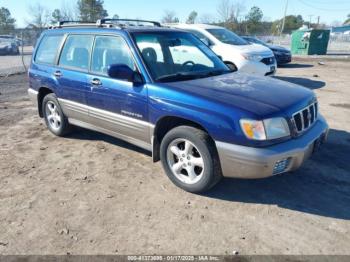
{"points": [[224, 10], [229, 11], [170, 17], [69, 11], [207, 18], [39, 16]]}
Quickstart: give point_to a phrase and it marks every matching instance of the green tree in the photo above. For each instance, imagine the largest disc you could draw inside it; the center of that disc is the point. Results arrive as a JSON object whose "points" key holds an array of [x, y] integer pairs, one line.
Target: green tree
{"points": [[347, 21], [91, 10], [254, 19], [7, 23], [56, 16], [292, 23], [192, 17]]}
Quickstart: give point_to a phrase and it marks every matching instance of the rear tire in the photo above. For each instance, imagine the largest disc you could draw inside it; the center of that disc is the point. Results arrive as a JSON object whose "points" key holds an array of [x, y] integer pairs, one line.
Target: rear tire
{"points": [[55, 120], [190, 159]]}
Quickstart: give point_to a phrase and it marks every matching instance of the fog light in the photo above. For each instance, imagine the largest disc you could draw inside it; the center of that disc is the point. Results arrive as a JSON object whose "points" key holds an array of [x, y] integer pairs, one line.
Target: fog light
{"points": [[281, 166]]}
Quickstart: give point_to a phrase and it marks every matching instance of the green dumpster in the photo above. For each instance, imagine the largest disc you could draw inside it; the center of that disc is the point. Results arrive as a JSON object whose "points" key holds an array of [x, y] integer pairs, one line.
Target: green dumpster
{"points": [[310, 42]]}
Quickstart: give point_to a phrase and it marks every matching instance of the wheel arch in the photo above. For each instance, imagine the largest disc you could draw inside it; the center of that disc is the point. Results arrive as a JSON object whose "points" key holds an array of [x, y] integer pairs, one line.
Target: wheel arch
{"points": [[42, 92], [164, 125]]}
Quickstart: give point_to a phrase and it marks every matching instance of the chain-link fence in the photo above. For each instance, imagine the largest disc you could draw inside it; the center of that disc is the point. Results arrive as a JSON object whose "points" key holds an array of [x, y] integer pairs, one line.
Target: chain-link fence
{"points": [[15, 64], [17, 60], [338, 44]]}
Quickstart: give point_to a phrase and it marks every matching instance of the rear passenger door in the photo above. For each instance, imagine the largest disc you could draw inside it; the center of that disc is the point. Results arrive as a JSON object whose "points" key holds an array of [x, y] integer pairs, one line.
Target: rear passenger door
{"points": [[116, 105], [71, 75]]}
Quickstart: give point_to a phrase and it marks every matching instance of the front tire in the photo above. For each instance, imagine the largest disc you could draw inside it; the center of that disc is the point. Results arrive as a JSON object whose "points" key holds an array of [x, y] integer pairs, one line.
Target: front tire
{"points": [[190, 159], [55, 120]]}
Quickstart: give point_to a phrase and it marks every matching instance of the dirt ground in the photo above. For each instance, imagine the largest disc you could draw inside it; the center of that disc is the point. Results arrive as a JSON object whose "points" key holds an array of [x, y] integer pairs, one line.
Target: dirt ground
{"points": [[89, 193]]}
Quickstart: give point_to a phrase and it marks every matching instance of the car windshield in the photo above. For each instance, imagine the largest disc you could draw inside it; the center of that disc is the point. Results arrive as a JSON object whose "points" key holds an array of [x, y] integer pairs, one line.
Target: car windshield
{"points": [[255, 40], [177, 56], [227, 37]]}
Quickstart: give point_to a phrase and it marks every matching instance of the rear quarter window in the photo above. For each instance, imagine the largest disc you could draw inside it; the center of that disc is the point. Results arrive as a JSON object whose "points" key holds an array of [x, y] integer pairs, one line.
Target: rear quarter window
{"points": [[48, 48]]}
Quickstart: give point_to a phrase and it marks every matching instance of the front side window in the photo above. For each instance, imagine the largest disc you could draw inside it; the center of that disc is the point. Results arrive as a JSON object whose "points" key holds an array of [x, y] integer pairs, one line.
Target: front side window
{"points": [[201, 36], [47, 50], [172, 56], [76, 52], [227, 37], [110, 50]]}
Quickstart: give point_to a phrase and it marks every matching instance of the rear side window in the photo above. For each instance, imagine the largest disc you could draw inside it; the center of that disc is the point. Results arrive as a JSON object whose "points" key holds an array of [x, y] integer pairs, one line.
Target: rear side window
{"points": [[110, 50], [76, 52], [48, 49]]}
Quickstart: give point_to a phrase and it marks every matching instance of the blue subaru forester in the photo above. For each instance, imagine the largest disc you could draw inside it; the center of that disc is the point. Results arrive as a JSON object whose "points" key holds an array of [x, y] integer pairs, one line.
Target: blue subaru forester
{"points": [[163, 90]]}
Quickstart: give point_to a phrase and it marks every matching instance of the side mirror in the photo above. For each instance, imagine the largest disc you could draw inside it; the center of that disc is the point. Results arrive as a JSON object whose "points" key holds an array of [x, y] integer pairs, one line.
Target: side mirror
{"points": [[124, 72]]}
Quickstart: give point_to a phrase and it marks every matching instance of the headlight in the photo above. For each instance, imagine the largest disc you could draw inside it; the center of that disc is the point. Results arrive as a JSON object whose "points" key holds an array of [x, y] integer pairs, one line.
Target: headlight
{"points": [[252, 57], [271, 128]]}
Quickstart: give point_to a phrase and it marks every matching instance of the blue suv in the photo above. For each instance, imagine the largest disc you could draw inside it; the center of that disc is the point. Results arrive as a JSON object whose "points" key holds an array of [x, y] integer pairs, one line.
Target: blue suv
{"points": [[165, 91]]}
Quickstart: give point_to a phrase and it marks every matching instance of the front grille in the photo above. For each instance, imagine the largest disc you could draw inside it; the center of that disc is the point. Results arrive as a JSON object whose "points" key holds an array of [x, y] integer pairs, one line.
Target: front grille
{"points": [[268, 60], [305, 118]]}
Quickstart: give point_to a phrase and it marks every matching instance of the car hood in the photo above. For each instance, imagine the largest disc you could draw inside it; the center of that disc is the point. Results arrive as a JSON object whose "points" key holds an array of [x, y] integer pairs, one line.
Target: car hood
{"points": [[251, 49], [260, 96], [4, 44], [278, 48]]}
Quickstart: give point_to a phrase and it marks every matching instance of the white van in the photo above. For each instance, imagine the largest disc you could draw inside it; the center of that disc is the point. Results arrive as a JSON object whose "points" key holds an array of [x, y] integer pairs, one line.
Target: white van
{"points": [[236, 52]]}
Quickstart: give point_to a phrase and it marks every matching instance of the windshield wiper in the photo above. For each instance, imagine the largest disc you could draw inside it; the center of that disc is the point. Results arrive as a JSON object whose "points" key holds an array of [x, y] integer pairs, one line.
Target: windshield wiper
{"points": [[177, 77], [187, 76], [215, 73]]}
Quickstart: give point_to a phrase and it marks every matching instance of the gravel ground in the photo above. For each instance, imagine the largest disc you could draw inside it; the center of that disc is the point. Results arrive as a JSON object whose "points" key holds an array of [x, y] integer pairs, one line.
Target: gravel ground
{"points": [[89, 193]]}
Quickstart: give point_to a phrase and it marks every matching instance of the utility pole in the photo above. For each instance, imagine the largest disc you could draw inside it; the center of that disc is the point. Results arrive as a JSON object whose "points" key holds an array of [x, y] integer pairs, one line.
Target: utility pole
{"points": [[284, 18], [318, 21], [310, 17]]}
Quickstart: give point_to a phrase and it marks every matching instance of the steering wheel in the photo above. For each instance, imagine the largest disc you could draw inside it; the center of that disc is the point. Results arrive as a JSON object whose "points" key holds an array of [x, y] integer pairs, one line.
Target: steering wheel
{"points": [[188, 63]]}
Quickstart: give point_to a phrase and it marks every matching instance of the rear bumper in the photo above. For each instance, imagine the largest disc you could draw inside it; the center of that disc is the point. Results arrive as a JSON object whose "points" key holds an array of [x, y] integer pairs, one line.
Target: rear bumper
{"points": [[283, 59], [249, 162]]}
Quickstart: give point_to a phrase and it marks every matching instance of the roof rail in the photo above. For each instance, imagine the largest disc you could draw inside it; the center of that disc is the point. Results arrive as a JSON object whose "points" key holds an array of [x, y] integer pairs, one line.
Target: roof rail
{"points": [[127, 22], [61, 24]]}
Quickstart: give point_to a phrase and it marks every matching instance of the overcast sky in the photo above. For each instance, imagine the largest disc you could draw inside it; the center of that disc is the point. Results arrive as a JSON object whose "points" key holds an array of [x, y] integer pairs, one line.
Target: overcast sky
{"points": [[328, 10]]}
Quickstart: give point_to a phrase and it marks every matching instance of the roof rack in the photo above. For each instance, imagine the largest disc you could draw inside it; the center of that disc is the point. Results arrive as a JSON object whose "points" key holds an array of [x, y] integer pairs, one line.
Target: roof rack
{"points": [[105, 22], [124, 22], [61, 24]]}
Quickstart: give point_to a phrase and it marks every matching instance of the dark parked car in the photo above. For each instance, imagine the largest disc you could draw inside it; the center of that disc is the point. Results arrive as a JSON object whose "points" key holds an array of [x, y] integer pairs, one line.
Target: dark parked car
{"points": [[8, 47], [282, 55]]}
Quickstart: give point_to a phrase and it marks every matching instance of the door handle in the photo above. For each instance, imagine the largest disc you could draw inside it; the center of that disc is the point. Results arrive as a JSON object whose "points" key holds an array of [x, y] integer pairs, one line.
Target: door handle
{"points": [[57, 74], [96, 82]]}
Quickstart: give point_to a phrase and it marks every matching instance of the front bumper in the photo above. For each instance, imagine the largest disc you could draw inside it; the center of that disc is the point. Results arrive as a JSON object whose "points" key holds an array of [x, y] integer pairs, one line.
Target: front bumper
{"points": [[257, 68], [249, 162]]}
